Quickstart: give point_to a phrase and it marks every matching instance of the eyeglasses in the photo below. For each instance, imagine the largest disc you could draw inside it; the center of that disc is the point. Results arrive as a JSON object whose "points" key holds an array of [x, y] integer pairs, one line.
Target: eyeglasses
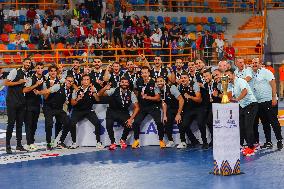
{"points": [[70, 81]]}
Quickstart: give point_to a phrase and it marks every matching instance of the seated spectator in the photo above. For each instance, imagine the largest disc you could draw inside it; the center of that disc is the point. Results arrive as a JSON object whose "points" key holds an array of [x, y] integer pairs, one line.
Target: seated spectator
{"points": [[20, 43], [68, 52], [90, 41], [174, 32], [174, 47], [76, 11], [44, 43], [139, 28], [55, 24], [62, 32], [71, 38], [35, 33], [131, 31], [37, 21], [47, 31], [67, 15], [84, 13], [75, 22], [82, 32], [13, 15], [80, 49], [27, 28], [31, 13], [99, 43], [49, 12], [147, 45], [100, 30], [180, 45]]}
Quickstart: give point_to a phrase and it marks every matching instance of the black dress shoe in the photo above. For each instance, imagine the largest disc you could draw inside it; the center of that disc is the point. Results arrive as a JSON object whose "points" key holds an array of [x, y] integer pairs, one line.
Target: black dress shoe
{"points": [[279, 145], [9, 150], [21, 149], [205, 146]]}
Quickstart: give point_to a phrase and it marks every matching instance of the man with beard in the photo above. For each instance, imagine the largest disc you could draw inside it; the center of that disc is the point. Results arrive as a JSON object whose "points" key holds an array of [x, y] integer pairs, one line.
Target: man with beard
{"points": [[242, 71], [172, 105], [192, 111], [159, 71], [114, 76], [97, 74], [82, 102], [75, 72], [55, 96], [242, 93], [121, 100], [130, 74], [149, 100], [213, 96], [178, 71], [33, 103], [264, 88], [15, 102]]}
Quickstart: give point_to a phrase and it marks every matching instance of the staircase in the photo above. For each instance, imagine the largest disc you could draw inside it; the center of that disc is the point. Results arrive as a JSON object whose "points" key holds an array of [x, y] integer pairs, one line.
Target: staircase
{"points": [[248, 36]]}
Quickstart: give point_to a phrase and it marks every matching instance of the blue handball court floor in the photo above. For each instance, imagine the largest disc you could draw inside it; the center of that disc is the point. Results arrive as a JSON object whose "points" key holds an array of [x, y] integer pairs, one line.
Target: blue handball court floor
{"points": [[147, 167]]}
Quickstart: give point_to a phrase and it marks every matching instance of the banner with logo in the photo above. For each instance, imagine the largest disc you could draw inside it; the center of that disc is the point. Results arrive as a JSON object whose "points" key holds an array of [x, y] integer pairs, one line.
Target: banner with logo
{"points": [[226, 139], [148, 131]]}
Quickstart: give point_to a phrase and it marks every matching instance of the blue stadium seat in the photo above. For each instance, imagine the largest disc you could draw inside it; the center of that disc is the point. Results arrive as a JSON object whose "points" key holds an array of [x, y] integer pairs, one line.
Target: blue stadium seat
{"points": [[174, 20], [210, 20], [19, 28], [141, 2], [133, 2], [219, 28], [213, 28], [224, 20], [206, 28], [183, 20], [192, 28], [22, 18], [151, 19], [160, 19], [243, 5], [11, 46]]}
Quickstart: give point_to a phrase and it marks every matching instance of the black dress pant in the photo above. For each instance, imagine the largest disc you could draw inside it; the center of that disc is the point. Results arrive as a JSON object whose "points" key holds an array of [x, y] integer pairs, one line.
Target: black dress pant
{"points": [[77, 116], [59, 115], [268, 116], [247, 115], [31, 120], [120, 117], [210, 122], [171, 114], [155, 112], [198, 114], [16, 114]]}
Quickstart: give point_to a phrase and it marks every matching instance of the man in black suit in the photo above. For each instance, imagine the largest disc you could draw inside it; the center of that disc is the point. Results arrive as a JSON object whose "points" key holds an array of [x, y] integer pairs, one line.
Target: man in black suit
{"points": [[206, 43]]}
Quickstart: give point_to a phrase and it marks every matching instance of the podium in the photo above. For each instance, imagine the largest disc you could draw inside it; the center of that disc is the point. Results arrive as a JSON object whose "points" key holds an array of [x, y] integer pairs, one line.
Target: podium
{"points": [[226, 139]]}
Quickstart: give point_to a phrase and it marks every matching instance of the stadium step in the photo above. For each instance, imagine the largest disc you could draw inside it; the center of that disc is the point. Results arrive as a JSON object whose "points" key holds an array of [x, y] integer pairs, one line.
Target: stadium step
{"points": [[248, 35], [245, 43]]}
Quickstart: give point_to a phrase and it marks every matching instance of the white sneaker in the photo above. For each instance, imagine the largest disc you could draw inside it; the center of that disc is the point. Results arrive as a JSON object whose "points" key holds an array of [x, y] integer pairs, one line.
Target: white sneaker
{"points": [[100, 145], [182, 145], [170, 144], [73, 146], [33, 147]]}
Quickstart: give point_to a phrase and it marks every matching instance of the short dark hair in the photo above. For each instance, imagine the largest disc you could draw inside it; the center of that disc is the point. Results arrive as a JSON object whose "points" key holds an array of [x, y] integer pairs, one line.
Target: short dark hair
{"points": [[39, 64], [53, 66], [230, 70], [207, 71], [184, 73], [124, 78], [27, 59], [145, 68]]}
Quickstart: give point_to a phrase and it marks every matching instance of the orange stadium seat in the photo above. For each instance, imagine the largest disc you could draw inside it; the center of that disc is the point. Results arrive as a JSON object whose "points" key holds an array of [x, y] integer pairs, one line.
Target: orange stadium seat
{"points": [[48, 58], [4, 38], [17, 59], [196, 20], [60, 46], [12, 36], [7, 59], [3, 47], [37, 57], [8, 28], [204, 20], [25, 36], [199, 28], [190, 19], [218, 20], [167, 19]]}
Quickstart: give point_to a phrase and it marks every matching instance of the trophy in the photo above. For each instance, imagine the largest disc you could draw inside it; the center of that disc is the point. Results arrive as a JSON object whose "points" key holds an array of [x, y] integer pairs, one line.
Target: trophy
{"points": [[224, 82]]}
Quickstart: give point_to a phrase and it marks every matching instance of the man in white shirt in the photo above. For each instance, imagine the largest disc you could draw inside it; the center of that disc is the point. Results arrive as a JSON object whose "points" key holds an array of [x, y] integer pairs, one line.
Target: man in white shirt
{"points": [[14, 15], [156, 41], [219, 46], [90, 41]]}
